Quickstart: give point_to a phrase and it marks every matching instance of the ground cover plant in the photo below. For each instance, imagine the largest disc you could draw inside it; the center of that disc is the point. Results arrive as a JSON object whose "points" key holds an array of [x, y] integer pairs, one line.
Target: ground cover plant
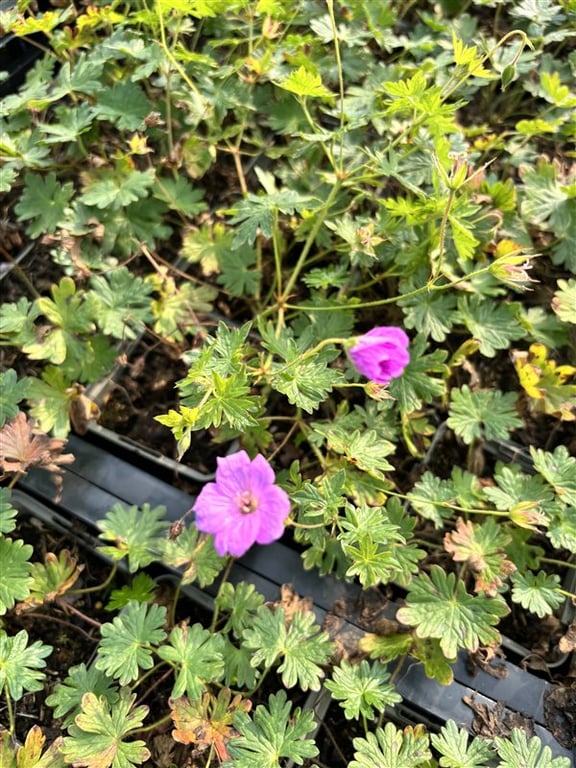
{"points": [[354, 227]]}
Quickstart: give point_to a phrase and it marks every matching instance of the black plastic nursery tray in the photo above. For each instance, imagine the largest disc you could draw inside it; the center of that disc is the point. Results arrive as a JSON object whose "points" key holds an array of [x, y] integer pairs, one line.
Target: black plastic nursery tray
{"points": [[18, 54], [85, 537], [98, 479]]}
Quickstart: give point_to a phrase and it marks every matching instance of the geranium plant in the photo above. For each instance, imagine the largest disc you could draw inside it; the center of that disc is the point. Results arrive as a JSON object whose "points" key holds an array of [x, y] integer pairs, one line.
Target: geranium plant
{"points": [[354, 226]]}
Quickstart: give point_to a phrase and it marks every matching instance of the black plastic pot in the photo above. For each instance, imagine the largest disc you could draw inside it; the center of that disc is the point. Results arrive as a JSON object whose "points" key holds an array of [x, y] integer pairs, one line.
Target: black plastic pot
{"points": [[98, 479], [16, 57], [18, 54]]}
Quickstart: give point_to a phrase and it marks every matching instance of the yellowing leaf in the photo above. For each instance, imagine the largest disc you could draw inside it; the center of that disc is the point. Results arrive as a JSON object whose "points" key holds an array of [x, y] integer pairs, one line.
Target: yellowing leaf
{"points": [[436, 665], [482, 547], [96, 738], [564, 301], [207, 722], [555, 91], [139, 145], [53, 578], [468, 57], [386, 647], [304, 83], [29, 755], [44, 22], [545, 382]]}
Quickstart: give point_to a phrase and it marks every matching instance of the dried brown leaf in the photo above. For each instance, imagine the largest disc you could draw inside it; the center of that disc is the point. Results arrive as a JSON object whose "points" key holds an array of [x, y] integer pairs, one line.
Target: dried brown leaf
{"points": [[292, 603], [24, 446], [207, 722], [567, 642]]}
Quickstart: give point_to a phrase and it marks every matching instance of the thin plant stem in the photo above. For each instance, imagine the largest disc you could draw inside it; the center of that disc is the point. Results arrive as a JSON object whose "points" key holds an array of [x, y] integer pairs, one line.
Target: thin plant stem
{"points": [[259, 683], [294, 524], [236, 157], [425, 543], [175, 599], [169, 120], [149, 673], [330, 5], [154, 685], [57, 620], [10, 709], [430, 286], [152, 726], [106, 583], [310, 353], [210, 755], [277, 254], [223, 581], [565, 593], [437, 266], [175, 63], [19, 272], [335, 744], [15, 479], [291, 282], [447, 505], [561, 563], [395, 672], [287, 437], [67, 607]]}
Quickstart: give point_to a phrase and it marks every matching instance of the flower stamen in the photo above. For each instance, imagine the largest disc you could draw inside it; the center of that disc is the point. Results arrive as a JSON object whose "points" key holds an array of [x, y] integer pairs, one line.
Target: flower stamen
{"points": [[247, 503]]}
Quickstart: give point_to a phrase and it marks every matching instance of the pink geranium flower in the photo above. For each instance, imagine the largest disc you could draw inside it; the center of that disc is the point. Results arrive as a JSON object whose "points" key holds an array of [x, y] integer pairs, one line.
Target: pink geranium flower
{"points": [[381, 354], [243, 506]]}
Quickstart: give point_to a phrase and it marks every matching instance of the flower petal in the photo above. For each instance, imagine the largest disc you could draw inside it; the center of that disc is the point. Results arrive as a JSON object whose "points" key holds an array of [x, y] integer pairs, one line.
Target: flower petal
{"points": [[219, 506], [233, 473], [381, 354], [272, 514], [237, 538], [214, 510]]}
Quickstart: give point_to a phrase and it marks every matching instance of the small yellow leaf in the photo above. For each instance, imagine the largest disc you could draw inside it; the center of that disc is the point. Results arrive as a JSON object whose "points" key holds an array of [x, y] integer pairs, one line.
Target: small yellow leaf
{"points": [[138, 145]]}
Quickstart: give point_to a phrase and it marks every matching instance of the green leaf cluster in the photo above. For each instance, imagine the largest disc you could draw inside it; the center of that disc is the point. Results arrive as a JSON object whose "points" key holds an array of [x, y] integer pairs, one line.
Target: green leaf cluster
{"points": [[136, 533], [274, 732], [438, 606], [129, 641], [300, 646]]}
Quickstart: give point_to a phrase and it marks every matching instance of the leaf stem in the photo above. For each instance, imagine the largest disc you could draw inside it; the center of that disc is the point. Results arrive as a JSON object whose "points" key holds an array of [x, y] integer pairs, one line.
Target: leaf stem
{"points": [[57, 620], [152, 726], [565, 593], [294, 524], [172, 59], [310, 353], [259, 683], [107, 581], [437, 261], [175, 599], [330, 5], [223, 581], [448, 505], [10, 709], [151, 672], [155, 684], [429, 286], [561, 563], [309, 243], [68, 607]]}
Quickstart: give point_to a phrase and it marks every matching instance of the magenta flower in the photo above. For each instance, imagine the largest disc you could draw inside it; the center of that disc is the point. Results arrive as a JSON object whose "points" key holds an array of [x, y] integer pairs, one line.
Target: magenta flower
{"points": [[243, 506], [381, 354]]}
